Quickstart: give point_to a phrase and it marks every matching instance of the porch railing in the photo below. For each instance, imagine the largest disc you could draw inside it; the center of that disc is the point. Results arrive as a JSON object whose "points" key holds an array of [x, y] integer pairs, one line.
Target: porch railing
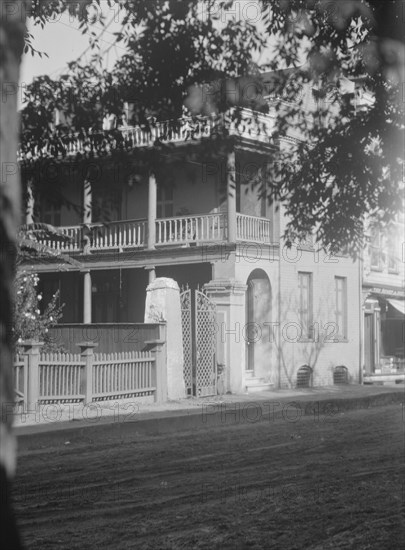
{"points": [[179, 230], [98, 236], [253, 229], [72, 244], [124, 234], [190, 229], [248, 124]]}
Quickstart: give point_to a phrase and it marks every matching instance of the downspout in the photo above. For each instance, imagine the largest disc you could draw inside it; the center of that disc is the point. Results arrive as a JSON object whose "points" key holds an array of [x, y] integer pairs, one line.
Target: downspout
{"points": [[279, 300], [361, 315]]}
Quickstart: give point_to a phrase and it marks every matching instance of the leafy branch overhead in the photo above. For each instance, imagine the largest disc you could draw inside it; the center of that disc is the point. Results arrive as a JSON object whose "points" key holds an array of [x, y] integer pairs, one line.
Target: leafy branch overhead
{"points": [[30, 244], [330, 75]]}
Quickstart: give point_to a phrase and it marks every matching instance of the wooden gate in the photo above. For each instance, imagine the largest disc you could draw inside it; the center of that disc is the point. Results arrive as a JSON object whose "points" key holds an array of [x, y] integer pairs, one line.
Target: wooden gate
{"points": [[198, 316]]}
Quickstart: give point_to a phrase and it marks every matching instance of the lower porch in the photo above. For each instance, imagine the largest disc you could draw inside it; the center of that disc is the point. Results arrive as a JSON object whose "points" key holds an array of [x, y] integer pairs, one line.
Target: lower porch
{"points": [[113, 295]]}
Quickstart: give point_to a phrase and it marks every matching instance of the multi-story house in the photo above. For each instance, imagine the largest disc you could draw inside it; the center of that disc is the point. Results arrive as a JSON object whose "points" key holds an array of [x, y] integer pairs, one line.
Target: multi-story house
{"points": [[284, 316]]}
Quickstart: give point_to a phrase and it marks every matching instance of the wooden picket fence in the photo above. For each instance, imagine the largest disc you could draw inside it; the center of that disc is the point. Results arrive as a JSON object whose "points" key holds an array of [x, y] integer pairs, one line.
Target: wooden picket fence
{"points": [[61, 377], [86, 377], [122, 374]]}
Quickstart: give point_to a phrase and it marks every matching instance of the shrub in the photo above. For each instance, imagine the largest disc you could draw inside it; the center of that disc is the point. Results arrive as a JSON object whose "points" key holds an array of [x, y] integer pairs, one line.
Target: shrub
{"points": [[32, 319]]}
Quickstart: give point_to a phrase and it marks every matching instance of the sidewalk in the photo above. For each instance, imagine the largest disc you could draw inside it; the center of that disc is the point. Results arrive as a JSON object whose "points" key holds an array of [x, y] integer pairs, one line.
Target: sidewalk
{"points": [[70, 421]]}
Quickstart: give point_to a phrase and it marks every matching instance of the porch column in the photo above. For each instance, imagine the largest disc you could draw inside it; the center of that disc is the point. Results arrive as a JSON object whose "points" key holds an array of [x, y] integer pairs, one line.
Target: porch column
{"points": [[152, 201], [151, 273], [87, 202], [29, 213], [231, 196], [87, 297]]}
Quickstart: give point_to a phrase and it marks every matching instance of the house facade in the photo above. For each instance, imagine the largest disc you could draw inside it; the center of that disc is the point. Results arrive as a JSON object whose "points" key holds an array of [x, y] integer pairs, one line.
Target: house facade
{"points": [[282, 315]]}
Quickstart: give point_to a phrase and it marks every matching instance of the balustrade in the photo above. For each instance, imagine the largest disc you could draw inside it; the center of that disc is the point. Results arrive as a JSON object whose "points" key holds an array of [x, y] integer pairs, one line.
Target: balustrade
{"points": [[179, 230], [251, 228], [248, 124], [190, 229]]}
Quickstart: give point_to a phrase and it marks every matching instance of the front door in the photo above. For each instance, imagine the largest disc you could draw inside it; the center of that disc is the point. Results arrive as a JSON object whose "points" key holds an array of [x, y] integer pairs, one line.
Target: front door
{"points": [[250, 320], [258, 318], [369, 343]]}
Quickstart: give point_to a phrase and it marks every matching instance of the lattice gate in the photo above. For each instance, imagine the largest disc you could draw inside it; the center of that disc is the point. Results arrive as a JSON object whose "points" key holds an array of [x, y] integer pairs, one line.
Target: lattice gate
{"points": [[198, 317]]}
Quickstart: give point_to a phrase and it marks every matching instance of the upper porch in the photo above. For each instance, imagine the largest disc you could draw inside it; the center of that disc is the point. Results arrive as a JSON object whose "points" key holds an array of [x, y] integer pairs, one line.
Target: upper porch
{"points": [[185, 204], [244, 123], [183, 231]]}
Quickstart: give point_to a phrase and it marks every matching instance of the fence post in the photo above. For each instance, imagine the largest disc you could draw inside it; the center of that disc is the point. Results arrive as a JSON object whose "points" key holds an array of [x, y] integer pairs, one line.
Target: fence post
{"points": [[158, 350], [32, 350], [87, 356]]}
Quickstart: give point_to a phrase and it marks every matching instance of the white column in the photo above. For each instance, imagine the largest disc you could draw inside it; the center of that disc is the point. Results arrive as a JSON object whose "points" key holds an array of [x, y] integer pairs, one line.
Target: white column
{"points": [[151, 274], [152, 201], [87, 297], [231, 196], [87, 202], [29, 213]]}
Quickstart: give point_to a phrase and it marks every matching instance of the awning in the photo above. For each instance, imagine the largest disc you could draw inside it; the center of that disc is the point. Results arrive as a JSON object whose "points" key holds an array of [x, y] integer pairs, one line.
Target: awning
{"points": [[399, 305]]}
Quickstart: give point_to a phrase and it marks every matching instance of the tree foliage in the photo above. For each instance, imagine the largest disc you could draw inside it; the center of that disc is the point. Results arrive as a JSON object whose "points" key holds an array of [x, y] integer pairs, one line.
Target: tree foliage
{"points": [[31, 246], [347, 161]]}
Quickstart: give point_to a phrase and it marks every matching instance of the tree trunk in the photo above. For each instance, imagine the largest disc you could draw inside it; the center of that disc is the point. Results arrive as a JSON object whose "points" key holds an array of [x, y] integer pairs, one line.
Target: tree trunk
{"points": [[12, 28]]}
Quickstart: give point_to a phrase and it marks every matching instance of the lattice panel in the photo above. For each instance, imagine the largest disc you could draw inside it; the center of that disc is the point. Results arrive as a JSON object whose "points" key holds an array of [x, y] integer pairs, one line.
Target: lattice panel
{"points": [[185, 299], [205, 314]]}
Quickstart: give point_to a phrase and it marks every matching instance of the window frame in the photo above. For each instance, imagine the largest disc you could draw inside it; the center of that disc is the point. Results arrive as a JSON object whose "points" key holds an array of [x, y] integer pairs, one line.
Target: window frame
{"points": [[342, 335], [392, 259], [51, 214], [307, 323], [376, 249], [164, 202]]}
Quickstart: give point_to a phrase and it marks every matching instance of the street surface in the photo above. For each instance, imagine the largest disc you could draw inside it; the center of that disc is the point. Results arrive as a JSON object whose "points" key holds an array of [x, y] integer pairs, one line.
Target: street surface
{"points": [[317, 483]]}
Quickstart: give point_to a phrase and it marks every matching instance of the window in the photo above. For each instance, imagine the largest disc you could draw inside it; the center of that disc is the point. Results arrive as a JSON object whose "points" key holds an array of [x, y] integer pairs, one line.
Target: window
{"points": [[376, 260], [305, 307], [164, 202], [106, 204], [341, 306], [51, 214], [392, 253]]}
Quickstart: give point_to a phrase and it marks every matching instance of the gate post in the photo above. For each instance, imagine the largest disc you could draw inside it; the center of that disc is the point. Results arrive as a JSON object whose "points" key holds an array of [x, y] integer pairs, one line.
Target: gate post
{"points": [[158, 350], [32, 350], [229, 296], [87, 356], [163, 304]]}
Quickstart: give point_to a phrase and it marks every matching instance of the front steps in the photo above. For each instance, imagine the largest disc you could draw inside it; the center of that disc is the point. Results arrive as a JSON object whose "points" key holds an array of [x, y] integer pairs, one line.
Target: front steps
{"points": [[253, 384]]}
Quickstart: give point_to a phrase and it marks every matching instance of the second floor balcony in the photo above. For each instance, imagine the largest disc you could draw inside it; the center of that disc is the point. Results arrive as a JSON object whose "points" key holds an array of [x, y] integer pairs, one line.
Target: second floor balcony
{"points": [[178, 231], [247, 124]]}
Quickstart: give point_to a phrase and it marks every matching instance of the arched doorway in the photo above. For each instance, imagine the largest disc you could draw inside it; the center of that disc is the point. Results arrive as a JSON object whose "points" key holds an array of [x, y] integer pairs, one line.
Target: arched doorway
{"points": [[258, 319]]}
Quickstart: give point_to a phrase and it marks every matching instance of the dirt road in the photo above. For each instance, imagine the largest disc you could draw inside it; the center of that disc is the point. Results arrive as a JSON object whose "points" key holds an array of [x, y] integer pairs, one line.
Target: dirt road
{"points": [[318, 483]]}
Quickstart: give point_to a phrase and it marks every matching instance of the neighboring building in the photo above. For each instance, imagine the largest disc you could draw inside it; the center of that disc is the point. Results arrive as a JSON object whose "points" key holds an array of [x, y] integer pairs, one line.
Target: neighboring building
{"points": [[277, 309], [384, 303]]}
